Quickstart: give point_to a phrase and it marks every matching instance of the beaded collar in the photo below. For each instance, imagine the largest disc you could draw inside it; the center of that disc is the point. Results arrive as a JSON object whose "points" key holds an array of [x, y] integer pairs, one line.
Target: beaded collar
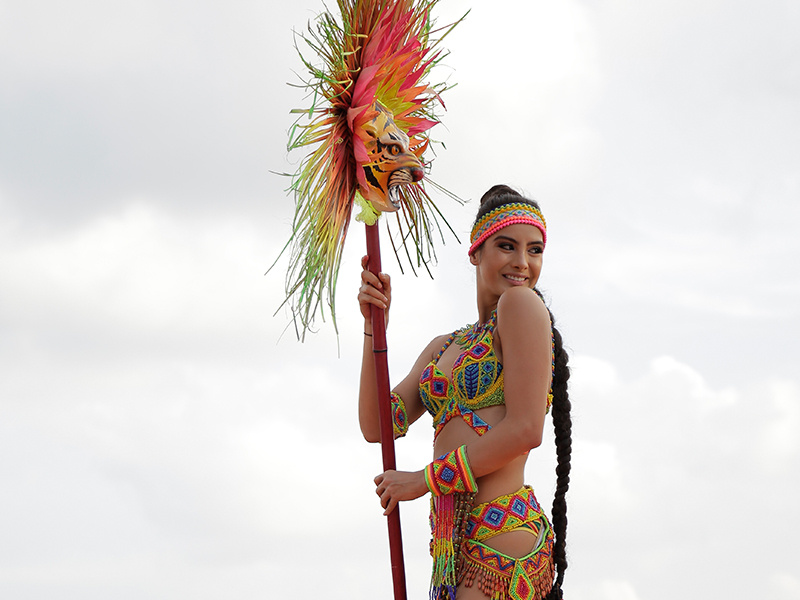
{"points": [[467, 336]]}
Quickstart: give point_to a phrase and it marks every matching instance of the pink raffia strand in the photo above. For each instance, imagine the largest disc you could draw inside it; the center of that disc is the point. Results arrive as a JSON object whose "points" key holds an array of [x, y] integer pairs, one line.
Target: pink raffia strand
{"points": [[372, 51]]}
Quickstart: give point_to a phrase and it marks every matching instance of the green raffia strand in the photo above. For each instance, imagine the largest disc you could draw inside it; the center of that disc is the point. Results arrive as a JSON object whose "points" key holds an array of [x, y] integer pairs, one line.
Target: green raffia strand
{"points": [[325, 184], [368, 215]]}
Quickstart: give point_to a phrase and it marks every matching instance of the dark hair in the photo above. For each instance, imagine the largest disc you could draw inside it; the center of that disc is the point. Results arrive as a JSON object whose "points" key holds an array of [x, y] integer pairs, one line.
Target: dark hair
{"points": [[562, 424], [497, 196]]}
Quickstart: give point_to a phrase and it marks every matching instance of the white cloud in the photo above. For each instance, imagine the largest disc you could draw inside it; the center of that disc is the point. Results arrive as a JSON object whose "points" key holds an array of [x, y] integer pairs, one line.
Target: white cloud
{"points": [[785, 586], [665, 453], [618, 590], [163, 443], [143, 273], [780, 438]]}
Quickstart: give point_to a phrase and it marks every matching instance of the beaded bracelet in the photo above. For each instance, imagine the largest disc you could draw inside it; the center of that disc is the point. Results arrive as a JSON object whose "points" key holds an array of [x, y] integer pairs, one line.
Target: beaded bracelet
{"points": [[399, 416], [450, 473]]}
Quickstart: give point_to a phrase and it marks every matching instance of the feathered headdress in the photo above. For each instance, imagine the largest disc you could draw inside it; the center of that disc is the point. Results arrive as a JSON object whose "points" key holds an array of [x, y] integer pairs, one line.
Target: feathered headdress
{"points": [[367, 127]]}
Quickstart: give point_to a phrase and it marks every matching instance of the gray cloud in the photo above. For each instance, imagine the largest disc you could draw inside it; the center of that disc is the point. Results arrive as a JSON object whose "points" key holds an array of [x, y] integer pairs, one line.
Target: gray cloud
{"points": [[162, 438]]}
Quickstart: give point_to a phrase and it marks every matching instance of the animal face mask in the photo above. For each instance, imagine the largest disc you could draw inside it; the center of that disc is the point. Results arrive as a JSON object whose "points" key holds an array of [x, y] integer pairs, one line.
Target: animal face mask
{"points": [[390, 164]]}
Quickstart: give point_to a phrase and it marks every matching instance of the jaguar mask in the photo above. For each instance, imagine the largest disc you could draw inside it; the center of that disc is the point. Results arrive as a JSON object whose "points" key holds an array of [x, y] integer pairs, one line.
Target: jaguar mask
{"points": [[391, 163]]}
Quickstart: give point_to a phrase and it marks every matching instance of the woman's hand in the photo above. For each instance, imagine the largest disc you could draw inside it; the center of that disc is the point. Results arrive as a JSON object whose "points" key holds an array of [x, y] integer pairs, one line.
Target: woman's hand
{"points": [[374, 290], [394, 486]]}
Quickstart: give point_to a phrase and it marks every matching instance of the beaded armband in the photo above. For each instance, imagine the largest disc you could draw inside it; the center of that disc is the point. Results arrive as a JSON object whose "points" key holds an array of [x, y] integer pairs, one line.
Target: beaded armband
{"points": [[399, 416], [450, 473]]}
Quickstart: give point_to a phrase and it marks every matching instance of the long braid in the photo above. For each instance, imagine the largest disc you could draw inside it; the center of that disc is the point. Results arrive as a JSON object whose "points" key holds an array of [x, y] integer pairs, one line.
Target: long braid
{"points": [[562, 421], [562, 424]]}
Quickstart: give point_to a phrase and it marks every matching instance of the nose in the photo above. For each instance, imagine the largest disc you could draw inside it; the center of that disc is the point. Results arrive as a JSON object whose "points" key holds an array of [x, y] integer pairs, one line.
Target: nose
{"points": [[518, 260], [416, 173]]}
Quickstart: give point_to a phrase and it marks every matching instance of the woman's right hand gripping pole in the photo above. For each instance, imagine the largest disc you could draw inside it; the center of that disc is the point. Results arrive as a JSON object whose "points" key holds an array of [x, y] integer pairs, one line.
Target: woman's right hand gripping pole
{"points": [[375, 290]]}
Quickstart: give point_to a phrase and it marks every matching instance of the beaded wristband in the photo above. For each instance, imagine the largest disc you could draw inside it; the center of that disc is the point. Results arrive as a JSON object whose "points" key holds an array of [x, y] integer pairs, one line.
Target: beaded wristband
{"points": [[450, 473], [399, 416]]}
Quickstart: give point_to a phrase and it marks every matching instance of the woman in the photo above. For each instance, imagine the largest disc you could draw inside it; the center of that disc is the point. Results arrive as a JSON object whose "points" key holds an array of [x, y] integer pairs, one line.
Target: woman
{"points": [[488, 387]]}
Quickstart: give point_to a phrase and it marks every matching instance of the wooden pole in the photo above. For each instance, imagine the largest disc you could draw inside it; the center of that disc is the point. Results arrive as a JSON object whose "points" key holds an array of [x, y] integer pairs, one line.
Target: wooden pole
{"points": [[385, 416]]}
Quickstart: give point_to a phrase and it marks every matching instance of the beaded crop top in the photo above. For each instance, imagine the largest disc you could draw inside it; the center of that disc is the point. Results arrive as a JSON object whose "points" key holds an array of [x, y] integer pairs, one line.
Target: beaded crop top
{"points": [[477, 379]]}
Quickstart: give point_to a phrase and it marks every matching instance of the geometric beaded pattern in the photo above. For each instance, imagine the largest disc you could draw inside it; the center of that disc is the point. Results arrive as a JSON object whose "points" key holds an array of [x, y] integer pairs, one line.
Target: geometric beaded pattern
{"points": [[477, 375], [503, 577], [470, 417], [477, 378], [450, 473], [399, 416], [506, 513], [503, 216], [434, 389], [477, 424]]}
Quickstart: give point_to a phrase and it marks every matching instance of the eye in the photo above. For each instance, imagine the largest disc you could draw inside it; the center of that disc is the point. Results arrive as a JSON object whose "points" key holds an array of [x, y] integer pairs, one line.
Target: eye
{"points": [[536, 250], [394, 149]]}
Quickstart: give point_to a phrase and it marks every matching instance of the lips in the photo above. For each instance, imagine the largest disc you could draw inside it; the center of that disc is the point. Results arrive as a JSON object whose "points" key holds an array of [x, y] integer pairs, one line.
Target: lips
{"points": [[516, 279]]}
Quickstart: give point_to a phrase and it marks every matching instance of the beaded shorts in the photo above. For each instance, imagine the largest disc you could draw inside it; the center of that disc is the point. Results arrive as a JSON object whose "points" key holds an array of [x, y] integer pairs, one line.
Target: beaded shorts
{"points": [[499, 576]]}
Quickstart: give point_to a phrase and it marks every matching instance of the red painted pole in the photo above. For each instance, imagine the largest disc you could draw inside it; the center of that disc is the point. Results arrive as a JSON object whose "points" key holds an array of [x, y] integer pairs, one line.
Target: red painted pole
{"points": [[385, 416]]}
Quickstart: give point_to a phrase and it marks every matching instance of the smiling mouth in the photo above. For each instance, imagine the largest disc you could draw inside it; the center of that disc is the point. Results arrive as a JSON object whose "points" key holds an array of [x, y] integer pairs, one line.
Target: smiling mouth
{"points": [[516, 278]]}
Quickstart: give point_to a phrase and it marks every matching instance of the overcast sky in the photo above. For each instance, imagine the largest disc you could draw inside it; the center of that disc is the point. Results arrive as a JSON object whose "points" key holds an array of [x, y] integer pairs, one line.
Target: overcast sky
{"points": [[162, 438]]}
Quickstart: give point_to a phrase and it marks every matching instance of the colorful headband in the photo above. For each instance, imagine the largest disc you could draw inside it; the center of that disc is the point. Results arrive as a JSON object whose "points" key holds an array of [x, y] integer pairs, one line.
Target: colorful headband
{"points": [[503, 216]]}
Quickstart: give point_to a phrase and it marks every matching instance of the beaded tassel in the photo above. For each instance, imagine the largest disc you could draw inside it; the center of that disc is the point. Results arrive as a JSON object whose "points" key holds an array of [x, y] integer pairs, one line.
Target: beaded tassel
{"points": [[497, 586], [443, 577], [450, 517]]}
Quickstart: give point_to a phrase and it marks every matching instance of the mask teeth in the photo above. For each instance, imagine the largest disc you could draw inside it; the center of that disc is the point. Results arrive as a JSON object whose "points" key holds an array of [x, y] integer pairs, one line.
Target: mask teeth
{"points": [[396, 179], [394, 195]]}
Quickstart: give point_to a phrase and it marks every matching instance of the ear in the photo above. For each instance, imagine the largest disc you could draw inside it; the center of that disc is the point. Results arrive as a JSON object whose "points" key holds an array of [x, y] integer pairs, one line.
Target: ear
{"points": [[473, 258]]}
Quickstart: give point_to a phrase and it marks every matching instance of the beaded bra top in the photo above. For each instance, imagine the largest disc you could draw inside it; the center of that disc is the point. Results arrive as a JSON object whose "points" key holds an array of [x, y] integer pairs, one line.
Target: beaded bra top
{"points": [[477, 379]]}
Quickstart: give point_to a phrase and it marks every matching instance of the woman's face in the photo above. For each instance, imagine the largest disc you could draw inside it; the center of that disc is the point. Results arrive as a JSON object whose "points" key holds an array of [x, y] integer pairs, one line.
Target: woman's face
{"points": [[511, 257]]}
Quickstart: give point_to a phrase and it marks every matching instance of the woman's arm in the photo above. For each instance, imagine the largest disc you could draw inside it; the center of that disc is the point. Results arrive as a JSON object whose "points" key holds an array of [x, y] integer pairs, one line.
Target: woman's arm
{"points": [[374, 291], [377, 291], [524, 332]]}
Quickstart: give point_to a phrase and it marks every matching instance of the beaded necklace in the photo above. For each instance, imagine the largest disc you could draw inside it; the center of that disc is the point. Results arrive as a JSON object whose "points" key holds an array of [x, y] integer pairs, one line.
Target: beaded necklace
{"points": [[467, 336]]}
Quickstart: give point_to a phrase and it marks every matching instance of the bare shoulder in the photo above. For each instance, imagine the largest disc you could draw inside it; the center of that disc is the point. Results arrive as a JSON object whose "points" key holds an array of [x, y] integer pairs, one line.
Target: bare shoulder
{"points": [[523, 326], [521, 307], [433, 347], [425, 357]]}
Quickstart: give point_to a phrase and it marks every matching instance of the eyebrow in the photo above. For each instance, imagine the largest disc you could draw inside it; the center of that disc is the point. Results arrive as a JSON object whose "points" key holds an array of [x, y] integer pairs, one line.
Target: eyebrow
{"points": [[511, 239]]}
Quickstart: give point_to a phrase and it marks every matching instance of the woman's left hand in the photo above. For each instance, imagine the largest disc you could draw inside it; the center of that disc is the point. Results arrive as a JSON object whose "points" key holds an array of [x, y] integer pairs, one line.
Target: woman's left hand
{"points": [[394, 486]]}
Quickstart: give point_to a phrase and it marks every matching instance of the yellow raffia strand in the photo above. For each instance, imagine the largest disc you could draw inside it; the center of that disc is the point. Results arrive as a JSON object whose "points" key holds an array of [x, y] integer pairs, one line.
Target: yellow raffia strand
{"points": [[374, 50], [368, 215]]}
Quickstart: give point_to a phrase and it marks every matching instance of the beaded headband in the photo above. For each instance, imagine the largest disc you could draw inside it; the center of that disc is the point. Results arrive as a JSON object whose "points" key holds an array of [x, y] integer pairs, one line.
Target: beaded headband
{"points": [[503, 216]]}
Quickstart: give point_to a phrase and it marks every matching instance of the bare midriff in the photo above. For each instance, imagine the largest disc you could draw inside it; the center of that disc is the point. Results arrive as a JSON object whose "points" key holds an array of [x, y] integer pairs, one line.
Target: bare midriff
{"points": [[506, 480]]}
